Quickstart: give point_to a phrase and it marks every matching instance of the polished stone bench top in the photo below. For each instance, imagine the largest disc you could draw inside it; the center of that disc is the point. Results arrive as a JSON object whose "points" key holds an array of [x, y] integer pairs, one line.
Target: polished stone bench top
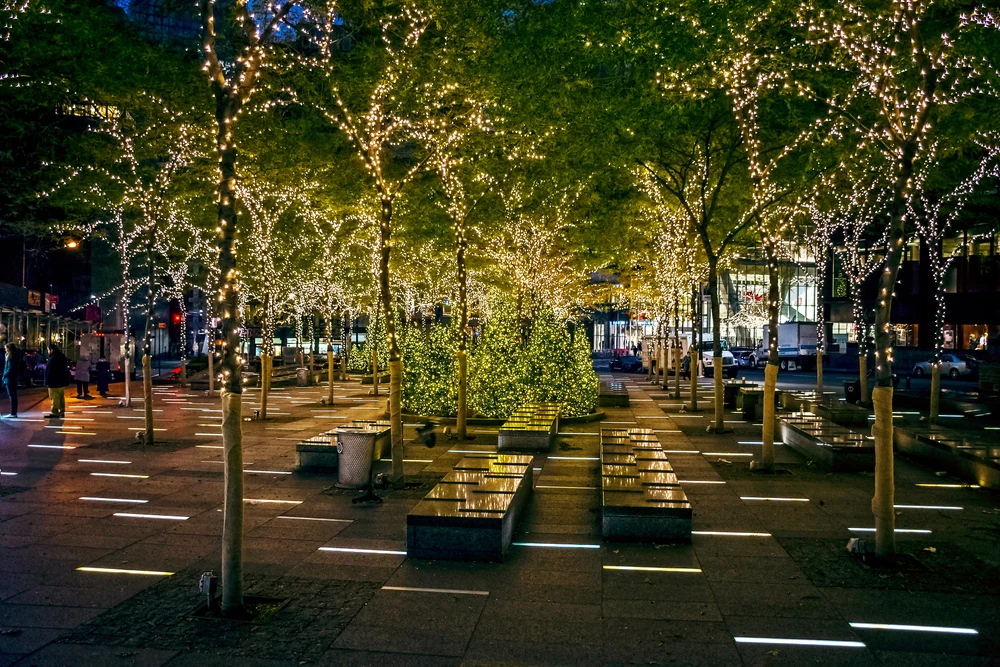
{"points": [[480, 487], [636, 477]]}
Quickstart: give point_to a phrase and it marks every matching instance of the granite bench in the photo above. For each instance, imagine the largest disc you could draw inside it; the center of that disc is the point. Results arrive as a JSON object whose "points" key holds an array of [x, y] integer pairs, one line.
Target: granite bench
{"points": [[471, 514], [317, 453], [837, 447], [641, 499], [731, 389], [532, 427], [613, 394]]}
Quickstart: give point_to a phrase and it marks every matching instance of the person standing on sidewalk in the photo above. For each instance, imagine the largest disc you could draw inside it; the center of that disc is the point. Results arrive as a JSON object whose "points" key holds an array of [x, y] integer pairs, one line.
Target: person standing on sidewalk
{"points": [[56, 381], [82, 377], [11, 376], [103, 376]]}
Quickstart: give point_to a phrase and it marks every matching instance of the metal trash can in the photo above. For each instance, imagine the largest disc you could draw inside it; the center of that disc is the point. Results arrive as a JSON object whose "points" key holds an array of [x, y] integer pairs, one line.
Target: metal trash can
{"points": [[852, 392], [354, 464], [302, 377]]}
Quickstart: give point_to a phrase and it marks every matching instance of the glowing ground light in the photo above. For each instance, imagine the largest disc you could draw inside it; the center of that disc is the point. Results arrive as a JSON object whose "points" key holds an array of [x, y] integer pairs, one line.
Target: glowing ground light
{"points": [[727, 454], [574, 458], [643, 568], [556, 545], [351, 550], [267, 500], [169, 517], [52, 446], [927, 507], [117, 474], [832, 643], [728, 533], [103, 461], [132, 501], [700, 481], [898, 530], [543, 486], [943, 486], [315, 518], [116, 570], [268, 472], [447, 591], [791, 500], [914, 628]]}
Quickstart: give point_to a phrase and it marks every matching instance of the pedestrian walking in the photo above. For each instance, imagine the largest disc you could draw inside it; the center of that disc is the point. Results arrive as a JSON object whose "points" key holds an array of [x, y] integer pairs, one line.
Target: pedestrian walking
{"points": [[82, 377], [103, 371], [11, 375], [56, 380]]}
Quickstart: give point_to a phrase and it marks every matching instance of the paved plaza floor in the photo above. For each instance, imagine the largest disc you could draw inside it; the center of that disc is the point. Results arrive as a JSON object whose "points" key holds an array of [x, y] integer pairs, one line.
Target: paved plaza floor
{"points": [[767, 560]]}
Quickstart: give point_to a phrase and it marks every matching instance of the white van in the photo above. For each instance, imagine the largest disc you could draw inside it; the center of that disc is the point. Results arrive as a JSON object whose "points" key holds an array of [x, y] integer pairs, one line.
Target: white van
{"points": [[729, 366]]}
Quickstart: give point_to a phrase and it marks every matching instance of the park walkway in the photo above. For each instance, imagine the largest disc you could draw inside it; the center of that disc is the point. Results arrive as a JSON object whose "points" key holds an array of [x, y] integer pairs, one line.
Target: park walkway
{"points": [[757, 568]]}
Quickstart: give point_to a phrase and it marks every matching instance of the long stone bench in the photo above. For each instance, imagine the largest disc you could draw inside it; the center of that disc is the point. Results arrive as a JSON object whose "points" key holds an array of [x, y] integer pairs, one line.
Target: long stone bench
{"points": [[613, 394], [836, 447], [641, 499], [731, 389], [319, 453], [472, 513], [965, 455], [532, 427]]}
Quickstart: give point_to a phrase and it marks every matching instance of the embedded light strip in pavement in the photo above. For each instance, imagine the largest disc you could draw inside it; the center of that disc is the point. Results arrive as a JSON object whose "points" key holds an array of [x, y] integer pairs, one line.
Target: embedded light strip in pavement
{"points": [[448, 591], [116, 570], [76, 432], [116, 474], [939, 486], [580, 433], [727, 454], [114, 500], [643, 568], [209, 435], [927, 507], [267, 500], [11, 474], [726, 533], [314, 518], [681, 451], [266, 472], [589, 488], [914, 628], [799, 642], [472, 451], [898, 530], [574, 458], [700, 481], [351, 550], [52, 446], [405, 460], [556, 545], [211, 446], [102, 461], [170, 517], [794, 500]]}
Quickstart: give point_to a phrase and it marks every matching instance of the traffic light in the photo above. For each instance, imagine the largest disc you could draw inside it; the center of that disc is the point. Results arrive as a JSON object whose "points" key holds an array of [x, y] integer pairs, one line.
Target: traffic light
{"points": [[177, 318]]}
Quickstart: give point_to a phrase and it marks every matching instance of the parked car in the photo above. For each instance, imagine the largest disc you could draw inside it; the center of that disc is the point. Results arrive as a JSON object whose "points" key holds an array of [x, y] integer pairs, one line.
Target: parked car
{"points": [[626, 364], [746, 358], [951, 365]]}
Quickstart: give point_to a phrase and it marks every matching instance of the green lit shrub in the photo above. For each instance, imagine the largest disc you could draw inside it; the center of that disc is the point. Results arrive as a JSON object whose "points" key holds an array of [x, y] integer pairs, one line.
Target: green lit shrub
{"points": [[495, 386], [430, 372]]}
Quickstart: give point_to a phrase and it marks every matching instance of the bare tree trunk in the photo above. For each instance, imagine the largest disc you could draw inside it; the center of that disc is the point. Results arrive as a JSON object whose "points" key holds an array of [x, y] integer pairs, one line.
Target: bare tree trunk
{"points": [[147, 366], [395, 358], [819, 373], [935, 391], [694, 349], [882, 503], [463, 338], [766, 461], [713, 292], [266, 359], [330, 363], [863, 371], [232, 372]]}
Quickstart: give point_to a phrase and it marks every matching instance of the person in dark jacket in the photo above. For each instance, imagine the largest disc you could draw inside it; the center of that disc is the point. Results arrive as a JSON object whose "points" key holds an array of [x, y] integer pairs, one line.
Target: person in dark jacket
{"points": [[11, 375], [103, 376], [56, 380]]}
